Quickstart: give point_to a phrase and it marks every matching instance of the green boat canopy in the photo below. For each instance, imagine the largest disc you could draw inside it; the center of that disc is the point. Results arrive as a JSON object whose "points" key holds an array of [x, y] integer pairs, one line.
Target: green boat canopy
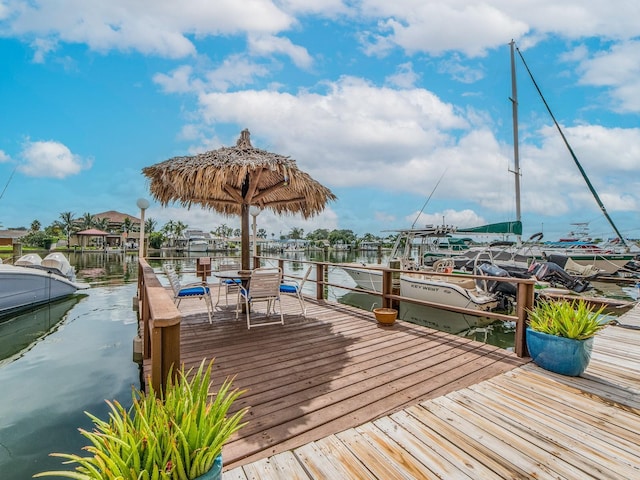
{"points": [[514, 228]]}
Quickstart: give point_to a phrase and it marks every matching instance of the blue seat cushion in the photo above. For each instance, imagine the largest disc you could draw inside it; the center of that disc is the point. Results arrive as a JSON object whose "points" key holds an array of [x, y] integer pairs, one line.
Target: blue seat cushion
{"points": [[190, 292], [231, 282], [288, 289]]}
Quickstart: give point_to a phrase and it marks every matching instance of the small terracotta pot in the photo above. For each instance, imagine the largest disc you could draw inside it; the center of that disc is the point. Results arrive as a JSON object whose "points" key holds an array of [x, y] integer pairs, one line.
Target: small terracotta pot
{"points": [[385, 316]]}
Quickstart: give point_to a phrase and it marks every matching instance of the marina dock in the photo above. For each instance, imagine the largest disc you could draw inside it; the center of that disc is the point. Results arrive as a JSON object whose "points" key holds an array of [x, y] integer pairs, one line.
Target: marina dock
{"points": [[334, 395], [522, 423]]}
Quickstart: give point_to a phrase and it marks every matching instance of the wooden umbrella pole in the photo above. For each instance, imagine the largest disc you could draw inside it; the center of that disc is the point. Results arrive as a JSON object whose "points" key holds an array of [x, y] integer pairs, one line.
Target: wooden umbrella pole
{"points": [[245, 237]]}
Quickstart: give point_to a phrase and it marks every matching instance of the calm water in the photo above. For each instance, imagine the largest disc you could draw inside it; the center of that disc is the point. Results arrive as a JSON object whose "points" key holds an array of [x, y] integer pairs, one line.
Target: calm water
{"points": [[66, 358], [62, 359]]}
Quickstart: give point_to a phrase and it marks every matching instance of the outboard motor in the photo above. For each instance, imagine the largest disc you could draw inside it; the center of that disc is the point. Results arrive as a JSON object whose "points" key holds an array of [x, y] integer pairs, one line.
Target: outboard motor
{"points": [[495, 286], [554, 274]]}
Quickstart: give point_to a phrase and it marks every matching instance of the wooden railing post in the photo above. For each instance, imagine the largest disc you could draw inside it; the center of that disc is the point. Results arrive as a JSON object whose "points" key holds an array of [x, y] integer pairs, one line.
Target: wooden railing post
{"points": [[524, 303], [387, 288], [319, 281], [161, 326]]}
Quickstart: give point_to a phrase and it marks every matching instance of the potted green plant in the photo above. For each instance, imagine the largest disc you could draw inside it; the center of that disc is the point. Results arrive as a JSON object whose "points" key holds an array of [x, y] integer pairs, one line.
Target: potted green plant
{"points": [[178, 435], [560, 335]]}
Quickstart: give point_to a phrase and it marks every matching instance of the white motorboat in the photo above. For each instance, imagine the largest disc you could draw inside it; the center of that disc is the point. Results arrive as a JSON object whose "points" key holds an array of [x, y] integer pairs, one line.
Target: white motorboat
{"points": [[198, 245], [454, 290], [427, 283], [196, 241], [33, 281]]}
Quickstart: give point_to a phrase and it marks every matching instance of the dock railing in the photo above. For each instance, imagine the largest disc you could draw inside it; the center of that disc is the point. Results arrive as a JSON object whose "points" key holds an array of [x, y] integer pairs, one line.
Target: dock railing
{"points": [[159, 326], [390, 295], [160, 319]]}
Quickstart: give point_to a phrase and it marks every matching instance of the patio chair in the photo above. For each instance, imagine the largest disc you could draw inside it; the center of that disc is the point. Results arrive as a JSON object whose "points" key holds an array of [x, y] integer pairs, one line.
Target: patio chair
{"points": [[191, 290], [231, 286], [292, 287], [263, 286]]}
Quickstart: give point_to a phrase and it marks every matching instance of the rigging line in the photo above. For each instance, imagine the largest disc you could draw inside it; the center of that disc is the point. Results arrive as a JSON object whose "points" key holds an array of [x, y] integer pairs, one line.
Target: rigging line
{"points": [[429, 198], [573, 155], [8, 181]]}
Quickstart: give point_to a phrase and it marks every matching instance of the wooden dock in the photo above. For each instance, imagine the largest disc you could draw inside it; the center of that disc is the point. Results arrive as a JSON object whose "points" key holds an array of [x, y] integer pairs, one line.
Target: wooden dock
{"points": [[332, 371], [518, 423]]}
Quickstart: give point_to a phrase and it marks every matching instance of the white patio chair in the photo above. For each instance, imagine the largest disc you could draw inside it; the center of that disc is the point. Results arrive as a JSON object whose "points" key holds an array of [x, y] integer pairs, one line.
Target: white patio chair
{"points": [[292, 287], [191, 290], [231, 286], [263, 286]]}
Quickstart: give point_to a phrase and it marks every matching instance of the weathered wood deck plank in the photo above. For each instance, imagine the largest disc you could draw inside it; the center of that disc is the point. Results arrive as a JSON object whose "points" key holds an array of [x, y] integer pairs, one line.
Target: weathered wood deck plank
{"points": [[522, 423], [331, 371]]}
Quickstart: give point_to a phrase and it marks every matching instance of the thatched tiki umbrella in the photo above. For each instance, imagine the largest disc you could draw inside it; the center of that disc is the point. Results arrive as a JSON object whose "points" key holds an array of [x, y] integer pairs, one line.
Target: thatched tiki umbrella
{"points": [[229, 180]]}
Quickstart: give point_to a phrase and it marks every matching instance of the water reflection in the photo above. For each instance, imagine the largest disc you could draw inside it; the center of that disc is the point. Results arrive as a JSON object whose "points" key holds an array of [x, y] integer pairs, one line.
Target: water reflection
{"points": [[18, 334]]}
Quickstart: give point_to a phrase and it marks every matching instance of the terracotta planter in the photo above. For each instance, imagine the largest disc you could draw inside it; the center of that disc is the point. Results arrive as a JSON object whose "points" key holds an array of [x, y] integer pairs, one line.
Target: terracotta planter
{"points": [[385, 316], [565, 356], [216, 471]]}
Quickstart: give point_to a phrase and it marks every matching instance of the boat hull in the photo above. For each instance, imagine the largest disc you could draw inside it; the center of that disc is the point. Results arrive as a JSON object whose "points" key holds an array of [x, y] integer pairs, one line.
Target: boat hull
{"points": [[366, 278], [445, 291], [25, 287], [437, 289]]}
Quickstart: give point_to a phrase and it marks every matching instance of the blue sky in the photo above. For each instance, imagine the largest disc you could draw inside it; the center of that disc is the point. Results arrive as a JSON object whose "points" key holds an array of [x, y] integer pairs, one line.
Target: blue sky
{"points": [[392, 105]]}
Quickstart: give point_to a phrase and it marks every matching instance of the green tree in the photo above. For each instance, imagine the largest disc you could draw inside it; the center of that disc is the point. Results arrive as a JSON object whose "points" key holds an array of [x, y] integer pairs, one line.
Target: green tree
{"points": [[127, 225], [35, 226], [68, 225], [180, 228], [296, 233], [344, 236], [156, 239], [101, 223], [223, 231], [87, 221], [262, 233], [36, 239], [319, 234], [150, 225]]}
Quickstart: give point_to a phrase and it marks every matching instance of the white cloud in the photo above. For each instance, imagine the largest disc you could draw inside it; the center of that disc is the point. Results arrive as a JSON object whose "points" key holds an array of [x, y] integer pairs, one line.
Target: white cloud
{"points": [[50, 159], [459, 219], [266, 45], [4, 158], [158, 27], [470, 27], [404, 77], [619, 69], [235, 71]]}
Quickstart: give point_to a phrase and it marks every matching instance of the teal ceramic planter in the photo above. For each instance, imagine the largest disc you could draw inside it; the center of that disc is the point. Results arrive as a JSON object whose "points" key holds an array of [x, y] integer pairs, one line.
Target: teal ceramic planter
{"points": [[216, 471], [558, 354]]}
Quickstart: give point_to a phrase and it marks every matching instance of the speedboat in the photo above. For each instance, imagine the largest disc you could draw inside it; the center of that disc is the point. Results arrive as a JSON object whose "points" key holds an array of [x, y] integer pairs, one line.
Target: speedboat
{"points": [[425, 282], [33, 281]]}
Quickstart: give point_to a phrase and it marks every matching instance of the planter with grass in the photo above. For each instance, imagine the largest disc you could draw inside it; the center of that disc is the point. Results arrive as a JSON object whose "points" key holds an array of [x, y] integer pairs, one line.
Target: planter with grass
{"points": [[178, 435], [560, 335]]}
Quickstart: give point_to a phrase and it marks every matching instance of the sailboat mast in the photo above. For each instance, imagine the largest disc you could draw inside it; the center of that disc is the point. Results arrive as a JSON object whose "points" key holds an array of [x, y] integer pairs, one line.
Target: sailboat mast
{"points": [[573, 155], [516, 151]]}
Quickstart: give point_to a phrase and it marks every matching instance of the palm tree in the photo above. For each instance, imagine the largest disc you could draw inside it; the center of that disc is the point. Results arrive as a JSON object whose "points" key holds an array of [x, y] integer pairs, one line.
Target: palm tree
{"points": [[87, 221], [127, 223], [101, 223], [150, 225], [296, 233], [180, 228], [68, 225], [35, 226]]}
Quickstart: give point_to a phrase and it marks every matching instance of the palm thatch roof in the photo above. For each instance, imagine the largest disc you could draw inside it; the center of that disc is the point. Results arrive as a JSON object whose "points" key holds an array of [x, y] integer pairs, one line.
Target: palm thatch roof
{"points": [[230, 177]]}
